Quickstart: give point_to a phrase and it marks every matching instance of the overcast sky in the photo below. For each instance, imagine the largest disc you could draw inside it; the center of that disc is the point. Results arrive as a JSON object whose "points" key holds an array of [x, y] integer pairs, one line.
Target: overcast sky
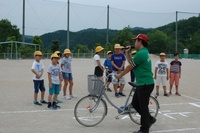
{"points": [[44, 16]]}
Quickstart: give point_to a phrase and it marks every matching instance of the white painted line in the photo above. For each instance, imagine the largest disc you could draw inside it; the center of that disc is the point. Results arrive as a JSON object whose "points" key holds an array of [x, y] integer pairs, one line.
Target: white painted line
{"points": [[191, 98], [34, 111], [175, 130], [194, 104]]}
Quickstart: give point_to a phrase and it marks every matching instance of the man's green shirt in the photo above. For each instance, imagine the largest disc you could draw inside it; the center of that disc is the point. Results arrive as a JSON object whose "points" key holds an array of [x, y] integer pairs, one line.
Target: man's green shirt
{"points": [[142, 67]]}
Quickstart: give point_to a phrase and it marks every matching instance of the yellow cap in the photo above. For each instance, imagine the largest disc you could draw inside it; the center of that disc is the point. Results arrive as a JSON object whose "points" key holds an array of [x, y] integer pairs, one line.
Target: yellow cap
{"points": [[118, 46], [37, 53], [54, 56], [57, 52], [109, 52], [67, 51], [134, 52], [162, 54], [98, 49]]}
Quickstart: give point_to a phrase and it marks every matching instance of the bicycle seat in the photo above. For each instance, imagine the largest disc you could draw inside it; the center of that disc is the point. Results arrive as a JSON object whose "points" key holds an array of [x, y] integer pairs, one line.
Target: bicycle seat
{"points": [[133, 84]]}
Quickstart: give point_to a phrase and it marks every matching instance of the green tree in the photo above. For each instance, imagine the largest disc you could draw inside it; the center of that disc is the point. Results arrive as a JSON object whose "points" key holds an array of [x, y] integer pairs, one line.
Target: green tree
{"points": [[108, 47], [37, 40], [124, 37], [158, 42], [193, 43], [55, 45], [81, 49], [8, 30]]}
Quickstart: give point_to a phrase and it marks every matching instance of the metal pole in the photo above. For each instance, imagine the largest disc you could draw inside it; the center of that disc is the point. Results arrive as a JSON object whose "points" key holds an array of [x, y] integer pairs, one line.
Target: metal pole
{"points": [[107, 39], [16, 50], [68, 25], [23, 23], [11, 50], [176, 31]]}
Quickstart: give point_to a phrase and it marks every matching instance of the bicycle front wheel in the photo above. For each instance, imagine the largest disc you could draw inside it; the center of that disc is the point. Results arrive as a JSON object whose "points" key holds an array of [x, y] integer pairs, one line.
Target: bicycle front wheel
{"points": [[153, 110], [89, 112]]}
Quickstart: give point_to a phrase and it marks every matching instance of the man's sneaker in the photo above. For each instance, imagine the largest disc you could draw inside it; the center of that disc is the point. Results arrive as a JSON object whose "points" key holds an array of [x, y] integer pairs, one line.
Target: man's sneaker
{"points": [[73, 96], [138, 132], [117, 95], [67, 97], [152, 121], [108, 89], [59, 101], [37, 103], [121, 94], [43, 102]]}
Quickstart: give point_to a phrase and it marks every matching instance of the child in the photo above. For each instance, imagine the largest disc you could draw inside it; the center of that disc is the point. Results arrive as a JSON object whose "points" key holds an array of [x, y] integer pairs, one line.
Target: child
{"points": [[67, 74], [118, 61], [38, 80], [60, 55], [132, 74], [55, 81], [108, 66], [161, 74], [98, 71], [175, 74]]}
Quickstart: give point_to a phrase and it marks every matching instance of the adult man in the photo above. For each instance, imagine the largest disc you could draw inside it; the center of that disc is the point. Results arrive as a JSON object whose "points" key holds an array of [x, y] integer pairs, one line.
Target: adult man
{"points": [[118, 61], [141, 64]]}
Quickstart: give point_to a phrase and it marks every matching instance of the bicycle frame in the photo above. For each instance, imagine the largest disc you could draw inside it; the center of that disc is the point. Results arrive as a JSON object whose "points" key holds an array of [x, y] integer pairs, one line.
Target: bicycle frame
{"points": [[103, 93]]}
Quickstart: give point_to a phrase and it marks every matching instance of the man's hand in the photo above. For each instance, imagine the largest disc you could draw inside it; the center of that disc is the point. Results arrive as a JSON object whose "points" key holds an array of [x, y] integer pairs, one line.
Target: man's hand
{"points": [[155, 77], [128, 49]]}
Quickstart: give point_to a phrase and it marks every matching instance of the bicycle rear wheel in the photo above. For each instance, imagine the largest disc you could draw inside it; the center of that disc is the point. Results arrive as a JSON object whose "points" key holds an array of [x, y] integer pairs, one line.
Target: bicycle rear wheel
{"points": [[86, 114], [153, 110]]}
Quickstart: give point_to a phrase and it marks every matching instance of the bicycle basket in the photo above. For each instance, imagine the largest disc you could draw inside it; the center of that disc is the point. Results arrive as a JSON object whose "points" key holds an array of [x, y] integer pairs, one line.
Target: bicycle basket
{"points": [[95, 85]]}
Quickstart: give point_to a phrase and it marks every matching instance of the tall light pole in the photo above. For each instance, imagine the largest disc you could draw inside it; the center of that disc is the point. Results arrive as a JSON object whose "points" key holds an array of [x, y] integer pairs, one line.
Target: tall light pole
{"points": [[68, 24], [107, 37], [176, 31], [23, 22]]}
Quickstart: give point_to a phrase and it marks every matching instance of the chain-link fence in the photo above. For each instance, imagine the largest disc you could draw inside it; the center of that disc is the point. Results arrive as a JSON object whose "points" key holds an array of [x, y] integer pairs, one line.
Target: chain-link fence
{"points": [[84, 55]]}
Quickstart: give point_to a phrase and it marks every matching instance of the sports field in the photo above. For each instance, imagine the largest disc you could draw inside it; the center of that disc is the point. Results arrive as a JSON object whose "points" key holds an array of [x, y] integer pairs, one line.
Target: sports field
{"points": [[19, 115]]}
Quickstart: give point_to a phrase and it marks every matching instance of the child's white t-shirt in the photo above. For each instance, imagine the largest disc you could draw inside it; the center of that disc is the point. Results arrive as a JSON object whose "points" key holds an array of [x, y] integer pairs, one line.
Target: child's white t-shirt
{"points": [[96, 57], [37, 66], [162, 68], [54, 70]]}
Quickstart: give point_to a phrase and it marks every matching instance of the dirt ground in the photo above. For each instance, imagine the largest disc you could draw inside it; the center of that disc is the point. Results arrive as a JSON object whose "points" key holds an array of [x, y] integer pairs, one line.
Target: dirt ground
{"points": [[19, 115]]}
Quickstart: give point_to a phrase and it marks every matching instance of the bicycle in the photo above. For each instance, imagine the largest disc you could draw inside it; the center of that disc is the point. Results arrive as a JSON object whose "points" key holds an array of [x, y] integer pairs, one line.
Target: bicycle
{"points": [[92, 109]]}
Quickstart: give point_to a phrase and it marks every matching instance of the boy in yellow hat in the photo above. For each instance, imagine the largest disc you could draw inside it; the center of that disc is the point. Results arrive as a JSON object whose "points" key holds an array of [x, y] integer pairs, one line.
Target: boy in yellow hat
{"points": [[59, 55], [67, 74], [55, 81], [98, 67], [118, 61], [108, 66], [161, 74], [38, 80]]}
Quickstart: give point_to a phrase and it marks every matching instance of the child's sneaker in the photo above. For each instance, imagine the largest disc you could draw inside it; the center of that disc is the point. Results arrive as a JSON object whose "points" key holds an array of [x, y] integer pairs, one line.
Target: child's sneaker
{"points": [[117, 95], [121, 94], [178, 94], [52, 107], [43, 102], [57, 107], [59, 101], [67, 97], [37, 103], [108, 89], [73, 96], [165, 94]]}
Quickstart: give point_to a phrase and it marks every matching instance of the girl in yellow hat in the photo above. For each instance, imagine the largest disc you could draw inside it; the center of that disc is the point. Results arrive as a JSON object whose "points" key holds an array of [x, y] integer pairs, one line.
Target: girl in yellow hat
{"points": [[98, 67]]}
